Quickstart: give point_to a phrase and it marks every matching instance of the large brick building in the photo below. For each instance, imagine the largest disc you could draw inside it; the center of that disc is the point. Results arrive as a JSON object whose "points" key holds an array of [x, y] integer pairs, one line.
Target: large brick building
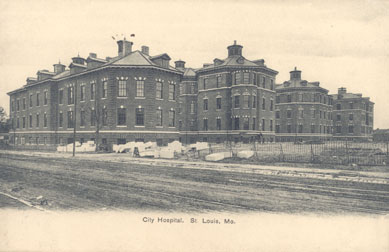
{"points": [[353, 116], [303, 110], [234, 98]]}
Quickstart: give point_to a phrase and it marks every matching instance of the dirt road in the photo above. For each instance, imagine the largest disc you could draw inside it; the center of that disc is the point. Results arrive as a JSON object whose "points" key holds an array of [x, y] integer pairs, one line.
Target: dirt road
{"points": [[76, 184]]}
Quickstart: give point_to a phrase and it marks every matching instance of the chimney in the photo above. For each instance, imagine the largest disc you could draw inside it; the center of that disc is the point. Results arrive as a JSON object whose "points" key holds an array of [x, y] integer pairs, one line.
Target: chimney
{"points": [[180, 64], [108, 58], [295, 74], [93, 55], [59, 68], [124, 47], [145, 50], [342, 91]]}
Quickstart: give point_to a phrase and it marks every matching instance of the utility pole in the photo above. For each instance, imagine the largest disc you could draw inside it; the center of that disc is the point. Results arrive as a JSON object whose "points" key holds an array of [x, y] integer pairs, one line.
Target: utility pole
{"points": [[75, 118]]}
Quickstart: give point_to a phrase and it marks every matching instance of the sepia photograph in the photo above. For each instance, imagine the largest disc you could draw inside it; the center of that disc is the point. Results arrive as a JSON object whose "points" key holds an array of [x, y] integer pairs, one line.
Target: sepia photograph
{"points": [[194, 125]]}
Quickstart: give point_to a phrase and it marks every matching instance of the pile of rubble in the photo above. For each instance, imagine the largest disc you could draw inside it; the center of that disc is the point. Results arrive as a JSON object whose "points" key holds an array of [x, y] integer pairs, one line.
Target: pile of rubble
{"points": [[89, 146]]}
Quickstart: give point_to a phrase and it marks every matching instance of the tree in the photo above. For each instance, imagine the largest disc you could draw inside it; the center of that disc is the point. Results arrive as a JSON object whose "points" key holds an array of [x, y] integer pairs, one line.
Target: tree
{"points": [[4, 121]]}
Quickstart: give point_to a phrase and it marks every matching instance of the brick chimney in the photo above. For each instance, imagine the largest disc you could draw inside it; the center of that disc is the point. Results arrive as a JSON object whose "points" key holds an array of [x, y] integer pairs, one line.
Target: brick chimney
{"points": [[59, 68], [295, 74], [124, 47], [145, 50]]}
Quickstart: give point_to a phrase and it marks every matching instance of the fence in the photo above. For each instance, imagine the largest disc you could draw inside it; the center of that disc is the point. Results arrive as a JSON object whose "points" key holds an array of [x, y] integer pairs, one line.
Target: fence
{"points": [[331, 152]]}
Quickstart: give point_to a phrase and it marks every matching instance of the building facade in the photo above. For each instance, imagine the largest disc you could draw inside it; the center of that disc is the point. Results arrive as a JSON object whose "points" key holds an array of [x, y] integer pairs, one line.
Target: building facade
{"points": [[303, 110], [353, 116], [230, 100]]}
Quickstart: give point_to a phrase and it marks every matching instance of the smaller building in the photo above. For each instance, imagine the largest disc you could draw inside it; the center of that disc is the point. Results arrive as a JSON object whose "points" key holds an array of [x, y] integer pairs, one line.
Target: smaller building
{"points": [[303, 110], [381, 135], [353, 116]]}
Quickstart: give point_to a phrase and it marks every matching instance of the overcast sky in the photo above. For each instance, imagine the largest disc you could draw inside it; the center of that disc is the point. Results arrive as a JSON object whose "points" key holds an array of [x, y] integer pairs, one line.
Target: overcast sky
{"points": [[338, 43]]}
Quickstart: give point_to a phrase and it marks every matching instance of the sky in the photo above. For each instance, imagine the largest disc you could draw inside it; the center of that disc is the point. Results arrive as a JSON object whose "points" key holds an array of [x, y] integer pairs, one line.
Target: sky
{"points": [[338, 43]]}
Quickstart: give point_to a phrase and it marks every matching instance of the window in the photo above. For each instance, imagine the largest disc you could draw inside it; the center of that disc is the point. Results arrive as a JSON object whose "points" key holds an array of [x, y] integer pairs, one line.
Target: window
{"points": [[289, 113], [60, 97], [289, 128], [205, 83], [271, 105], [271, 84], [121, 116], [105, 89], [338, 106], [159, 117], [289, 98], [236, 123], [277, 114], [93, 117], [350, 129], [351, 117], [246, 103], [93, 91], [70, 95], [122, 88], [37, 120], [172, 118], [254, 101], [205, 104], [205, 124], [192, 107], [158, 87], [180, 126], [82, 122], [192, 88], [218, 103], [30, 100], [246, 77], [30, 121], [44, 120], [24, 103], [218, 81], [181, 89], [320, 114], [236, 102], [246, 123], [338, 117], [218, 123], [300, 97], [140, 88], [264, 82], [45, 98], [263, 124], [172, 91], [60, 119], [17, 123], [18, 105], [140, 116], [254, 123], [82, 94], [104, 116], [263, 103], [300, 129], [301, 113], [312, 128], [277, 128], [237, 78], [277, 99]]}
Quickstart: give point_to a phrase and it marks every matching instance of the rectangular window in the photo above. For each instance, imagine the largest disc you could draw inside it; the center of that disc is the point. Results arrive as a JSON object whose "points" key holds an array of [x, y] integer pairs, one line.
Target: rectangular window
{"points": [[45, 98], [122, 88], [60, 97], [277, 128], [254, 123], [301, 114], [271, 125], [104, 112], [172, 91], [289, 128], [351, 117], [254, 101], [172, 118], [159, 117], [17, 105], [30, 121], [205, 104], [236, 102], [158, 88], [277, 99], [246, 78], [93, 91], [289, 113], [218, 103], [236, 123], [350, 129], [140, 88], [60, 119], [24, 103], [205, 83], [192, 88], [218, 123], [246, 123], [44, 120], [277, 114], [271, 105], [17, 123], [263, 124], [338, 117], [24, 122], [263, 103], [30, 100], [338, 106], [238, 78], [82, 93], [205, 124], [192, 107], [82, 122], [93, 117], [271, 84], [289, 98], [312, 128], [37, 120], [140, 116], [105, 89], [70, 95], [121, 116], [218, 81], [300, 128], [246, 103], [264, 82]]}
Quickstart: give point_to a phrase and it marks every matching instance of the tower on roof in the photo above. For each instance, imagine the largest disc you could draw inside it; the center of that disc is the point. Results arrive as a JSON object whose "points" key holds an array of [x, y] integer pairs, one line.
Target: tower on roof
{"points": [[234, 50], [295, 74]]}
